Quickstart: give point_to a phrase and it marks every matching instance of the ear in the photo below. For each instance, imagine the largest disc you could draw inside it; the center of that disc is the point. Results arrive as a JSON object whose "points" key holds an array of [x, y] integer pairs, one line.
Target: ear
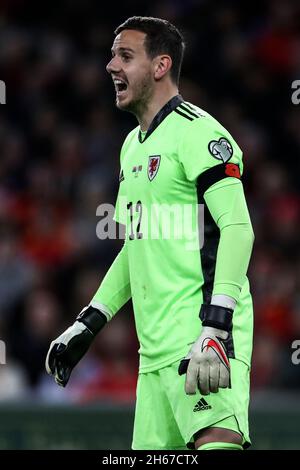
{"points": [[162, 65]]}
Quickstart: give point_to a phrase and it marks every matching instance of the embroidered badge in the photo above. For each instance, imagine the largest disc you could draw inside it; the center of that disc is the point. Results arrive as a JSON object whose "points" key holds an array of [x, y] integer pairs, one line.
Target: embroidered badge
{"points": [[153, 166], [221, 149]]}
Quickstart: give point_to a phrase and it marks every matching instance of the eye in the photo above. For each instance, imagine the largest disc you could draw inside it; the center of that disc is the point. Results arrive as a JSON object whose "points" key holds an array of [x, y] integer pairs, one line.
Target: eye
{"points": [[126, 57]]}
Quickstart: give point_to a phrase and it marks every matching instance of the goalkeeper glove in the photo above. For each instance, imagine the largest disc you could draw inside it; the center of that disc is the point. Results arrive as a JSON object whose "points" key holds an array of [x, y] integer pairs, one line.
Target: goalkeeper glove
{"points": [[67, 350], [207, 363]]}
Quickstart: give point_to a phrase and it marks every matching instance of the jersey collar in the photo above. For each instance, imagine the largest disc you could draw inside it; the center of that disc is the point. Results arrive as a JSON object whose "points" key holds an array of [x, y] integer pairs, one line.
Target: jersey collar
{"points": [[161, 115]]}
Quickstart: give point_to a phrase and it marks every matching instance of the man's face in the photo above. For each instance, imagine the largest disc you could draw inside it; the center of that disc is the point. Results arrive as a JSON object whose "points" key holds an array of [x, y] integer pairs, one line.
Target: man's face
{"points": [[131, 70]]}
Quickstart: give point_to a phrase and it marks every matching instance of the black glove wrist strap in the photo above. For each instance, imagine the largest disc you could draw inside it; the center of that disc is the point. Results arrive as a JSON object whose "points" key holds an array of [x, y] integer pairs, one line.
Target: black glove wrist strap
{"points": [[216, 317], [93, 319]]}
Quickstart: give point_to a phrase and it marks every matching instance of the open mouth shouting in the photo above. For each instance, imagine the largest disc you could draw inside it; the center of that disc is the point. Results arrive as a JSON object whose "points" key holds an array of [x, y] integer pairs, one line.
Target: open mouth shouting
{"points": [[120, 87]]}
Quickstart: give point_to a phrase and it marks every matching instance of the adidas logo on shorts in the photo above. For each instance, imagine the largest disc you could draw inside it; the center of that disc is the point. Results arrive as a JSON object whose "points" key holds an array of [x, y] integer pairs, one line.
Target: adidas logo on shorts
{"points": [[202, 405]]}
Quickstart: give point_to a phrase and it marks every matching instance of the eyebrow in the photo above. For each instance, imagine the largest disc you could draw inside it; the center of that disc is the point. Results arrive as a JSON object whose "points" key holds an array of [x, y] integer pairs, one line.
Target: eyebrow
{"points": [[122, 49]]}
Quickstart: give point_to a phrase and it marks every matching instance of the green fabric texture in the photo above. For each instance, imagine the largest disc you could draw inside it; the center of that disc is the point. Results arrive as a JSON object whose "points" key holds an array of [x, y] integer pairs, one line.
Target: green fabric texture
{"points": [[228, 207], [114, 290], [167, 418]]}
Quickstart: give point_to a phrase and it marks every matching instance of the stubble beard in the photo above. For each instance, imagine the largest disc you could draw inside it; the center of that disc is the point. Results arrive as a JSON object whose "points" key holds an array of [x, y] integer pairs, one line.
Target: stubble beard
{"points": [[142, 96]]}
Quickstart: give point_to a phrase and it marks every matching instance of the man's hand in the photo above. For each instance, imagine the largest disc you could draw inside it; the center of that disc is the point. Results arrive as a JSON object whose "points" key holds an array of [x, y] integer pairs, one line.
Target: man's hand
{"points": [[207, 365], [67, 350]]}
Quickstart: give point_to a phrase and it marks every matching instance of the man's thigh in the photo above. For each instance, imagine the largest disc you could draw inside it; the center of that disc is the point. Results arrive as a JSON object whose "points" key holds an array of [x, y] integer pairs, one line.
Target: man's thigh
{"points": [[227, 409], [154, 424]]}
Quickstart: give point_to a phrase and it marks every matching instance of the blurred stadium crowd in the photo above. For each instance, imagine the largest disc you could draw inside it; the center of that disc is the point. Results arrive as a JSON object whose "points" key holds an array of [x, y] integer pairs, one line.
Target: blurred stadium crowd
{"points": [[60, 137]]}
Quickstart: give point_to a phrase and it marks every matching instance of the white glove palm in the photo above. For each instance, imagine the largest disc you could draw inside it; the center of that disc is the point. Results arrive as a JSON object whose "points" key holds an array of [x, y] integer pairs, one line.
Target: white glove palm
{"points": [[208, 366]]}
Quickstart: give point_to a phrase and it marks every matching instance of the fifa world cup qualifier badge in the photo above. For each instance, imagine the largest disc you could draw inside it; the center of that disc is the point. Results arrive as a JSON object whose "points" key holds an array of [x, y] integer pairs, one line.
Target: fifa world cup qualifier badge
{"points": [[221, 149], [153, 166]]}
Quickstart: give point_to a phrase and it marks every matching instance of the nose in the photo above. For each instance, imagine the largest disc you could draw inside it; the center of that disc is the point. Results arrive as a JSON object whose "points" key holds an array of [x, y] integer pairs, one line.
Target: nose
{"points": [[113, 65]]}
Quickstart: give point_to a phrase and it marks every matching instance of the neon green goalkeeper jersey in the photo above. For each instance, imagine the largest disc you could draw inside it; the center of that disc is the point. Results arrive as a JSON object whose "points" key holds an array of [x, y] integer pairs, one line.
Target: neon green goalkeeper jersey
{"points": [[168, 262]]}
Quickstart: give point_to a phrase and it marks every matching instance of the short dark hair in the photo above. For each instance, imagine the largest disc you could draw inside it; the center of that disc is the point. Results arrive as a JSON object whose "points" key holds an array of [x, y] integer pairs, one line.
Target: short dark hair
{"points": [[161, 38]]}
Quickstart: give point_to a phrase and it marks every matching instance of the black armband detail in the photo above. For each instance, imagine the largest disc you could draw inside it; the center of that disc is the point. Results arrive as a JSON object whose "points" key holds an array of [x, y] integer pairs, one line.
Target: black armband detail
{"points": [[93, 319], [217, 317], [215, 174]]}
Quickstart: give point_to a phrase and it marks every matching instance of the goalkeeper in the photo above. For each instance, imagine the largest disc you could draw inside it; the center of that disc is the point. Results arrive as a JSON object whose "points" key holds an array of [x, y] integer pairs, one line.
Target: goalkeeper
{"points": [[192, 304]]}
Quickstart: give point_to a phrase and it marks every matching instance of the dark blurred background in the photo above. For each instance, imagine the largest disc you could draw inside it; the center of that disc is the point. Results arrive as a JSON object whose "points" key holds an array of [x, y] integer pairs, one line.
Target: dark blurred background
{"points": [[60, 136]]}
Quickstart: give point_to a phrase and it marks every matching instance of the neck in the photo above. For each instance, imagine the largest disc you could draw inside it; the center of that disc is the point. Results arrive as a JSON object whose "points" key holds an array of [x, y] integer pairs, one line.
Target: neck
{"points": [[160, 97]]}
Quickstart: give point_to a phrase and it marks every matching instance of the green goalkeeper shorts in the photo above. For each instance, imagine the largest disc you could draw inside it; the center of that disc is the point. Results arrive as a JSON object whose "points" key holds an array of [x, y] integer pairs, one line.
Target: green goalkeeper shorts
{"points": [[167, 418]]}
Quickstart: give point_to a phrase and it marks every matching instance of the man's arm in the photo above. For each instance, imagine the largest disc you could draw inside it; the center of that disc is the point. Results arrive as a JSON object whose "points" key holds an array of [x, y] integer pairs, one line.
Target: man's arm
{"points": [[67, 350], [207, 363], [227, 206], [114, 290]]}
